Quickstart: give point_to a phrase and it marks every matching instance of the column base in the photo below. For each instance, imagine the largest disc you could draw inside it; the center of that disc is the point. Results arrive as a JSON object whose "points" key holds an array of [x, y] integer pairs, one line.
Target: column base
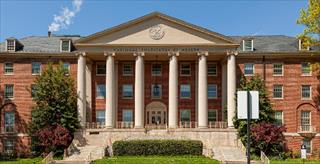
{"points": [[109, 127], [138, 127], [202, 127]]}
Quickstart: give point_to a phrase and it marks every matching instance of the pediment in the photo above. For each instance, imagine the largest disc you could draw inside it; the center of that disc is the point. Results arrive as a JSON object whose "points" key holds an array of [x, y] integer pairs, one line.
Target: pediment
{"points": [[156, 29]]}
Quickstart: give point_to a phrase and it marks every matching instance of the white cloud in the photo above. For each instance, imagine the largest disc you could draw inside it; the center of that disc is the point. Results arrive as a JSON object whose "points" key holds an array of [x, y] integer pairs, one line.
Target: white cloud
{"points": [[64, 19]]}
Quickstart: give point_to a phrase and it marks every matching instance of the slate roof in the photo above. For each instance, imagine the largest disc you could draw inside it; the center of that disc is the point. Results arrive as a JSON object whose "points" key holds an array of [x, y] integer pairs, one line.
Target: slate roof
{"points": [[263, 43]]}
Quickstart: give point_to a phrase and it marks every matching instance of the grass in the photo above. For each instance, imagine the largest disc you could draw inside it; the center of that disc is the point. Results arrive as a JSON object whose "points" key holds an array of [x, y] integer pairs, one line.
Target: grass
{"points": [[157, 160], [294, 161], [36, 160]]}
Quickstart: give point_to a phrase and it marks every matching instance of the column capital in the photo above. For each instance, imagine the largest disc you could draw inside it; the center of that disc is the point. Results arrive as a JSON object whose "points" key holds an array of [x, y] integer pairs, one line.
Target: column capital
{"points": [[108, 53], [203, 53], [232, 52], [173, 53], [138, 54], [80, 53]]}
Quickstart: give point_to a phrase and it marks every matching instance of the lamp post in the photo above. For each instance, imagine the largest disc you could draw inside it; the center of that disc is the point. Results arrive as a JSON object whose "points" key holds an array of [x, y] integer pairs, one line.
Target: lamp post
{"points": [[303, 152]]}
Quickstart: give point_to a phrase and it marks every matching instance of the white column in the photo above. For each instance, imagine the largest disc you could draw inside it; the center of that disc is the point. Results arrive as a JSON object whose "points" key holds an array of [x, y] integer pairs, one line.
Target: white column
{"points": [[89, 90], [173, 90], [224, 89], [81, 88], [110, 87], [139, 91], [231, 85], [202, 91]]}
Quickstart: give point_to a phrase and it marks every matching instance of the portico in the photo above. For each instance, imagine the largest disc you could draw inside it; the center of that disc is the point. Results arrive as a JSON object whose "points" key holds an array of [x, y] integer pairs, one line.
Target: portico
{"points": [[185, 89]]}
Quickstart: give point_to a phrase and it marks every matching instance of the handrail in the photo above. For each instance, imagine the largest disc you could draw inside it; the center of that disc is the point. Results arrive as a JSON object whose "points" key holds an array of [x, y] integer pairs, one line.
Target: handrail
{"points": [[48, 159], [240, 145], [264, 158]]}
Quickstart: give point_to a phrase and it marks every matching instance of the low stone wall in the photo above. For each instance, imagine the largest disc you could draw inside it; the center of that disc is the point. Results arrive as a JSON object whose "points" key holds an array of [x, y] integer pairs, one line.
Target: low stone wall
{"points": [[209, 137]]}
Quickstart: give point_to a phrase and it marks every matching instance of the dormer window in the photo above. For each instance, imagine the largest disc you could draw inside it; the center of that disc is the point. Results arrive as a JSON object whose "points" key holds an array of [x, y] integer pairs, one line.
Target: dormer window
{"points": [[247, 45], [303, 47], [11, 45], [65, 46]]}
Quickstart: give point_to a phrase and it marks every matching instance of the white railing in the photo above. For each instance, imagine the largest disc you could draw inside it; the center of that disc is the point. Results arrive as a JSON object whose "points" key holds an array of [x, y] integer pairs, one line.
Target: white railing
{"points": [[307, 128], [95, 125], [264, 159], [125, 125], [218, 124], [188, 124], [156, 126]]}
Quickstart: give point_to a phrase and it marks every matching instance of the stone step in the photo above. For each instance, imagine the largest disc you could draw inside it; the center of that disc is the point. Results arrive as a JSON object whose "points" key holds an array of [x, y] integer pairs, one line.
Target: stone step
{"points": [[71, 162]]}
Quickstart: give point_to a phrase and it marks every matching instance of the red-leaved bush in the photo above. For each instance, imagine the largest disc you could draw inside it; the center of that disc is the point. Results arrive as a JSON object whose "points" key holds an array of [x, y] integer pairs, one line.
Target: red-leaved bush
{"points": [[55, 136], [268, 137]]}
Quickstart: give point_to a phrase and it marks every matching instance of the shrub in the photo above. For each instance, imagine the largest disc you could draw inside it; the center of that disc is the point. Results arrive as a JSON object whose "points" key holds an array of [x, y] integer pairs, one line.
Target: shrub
{"points": [[157, 147]]}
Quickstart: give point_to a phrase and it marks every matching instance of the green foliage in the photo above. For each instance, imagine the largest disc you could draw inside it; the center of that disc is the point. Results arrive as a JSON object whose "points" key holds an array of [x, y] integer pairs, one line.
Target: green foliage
{"points": [[157, 147], [266, 113], [310, 18], [56, 100]]}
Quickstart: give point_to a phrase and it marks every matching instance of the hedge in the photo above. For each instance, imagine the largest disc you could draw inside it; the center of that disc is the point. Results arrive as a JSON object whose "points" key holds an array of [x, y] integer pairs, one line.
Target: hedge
{"points": [[157, 147]]}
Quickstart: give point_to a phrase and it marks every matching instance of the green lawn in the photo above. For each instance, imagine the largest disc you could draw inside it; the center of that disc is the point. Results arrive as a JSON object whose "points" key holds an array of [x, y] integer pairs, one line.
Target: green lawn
{"points": [[157, 160], [23, 161], [293, 161]]}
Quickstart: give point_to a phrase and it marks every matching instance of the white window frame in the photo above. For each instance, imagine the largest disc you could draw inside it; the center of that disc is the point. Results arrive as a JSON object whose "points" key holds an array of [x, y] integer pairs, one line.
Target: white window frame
{"points": [[5, 146], [101, 63], [244, 69], [244, 47], [216, 65], [10, 98], [189, 69], [216, 112], [123, 97], [310, 140], [5, 125], [14, 45], [152, 74], [69, 48], [282, 70], [155, 97], [310, 119], [282, 92], [123, 70], [68, 68], [216, 86], [98, 96], [280, 111], [306, 74], [301, 46], [123, 116], [39, 68], [4, 68], [310, 93], [101, 117], [180, 111], [181, 92]]}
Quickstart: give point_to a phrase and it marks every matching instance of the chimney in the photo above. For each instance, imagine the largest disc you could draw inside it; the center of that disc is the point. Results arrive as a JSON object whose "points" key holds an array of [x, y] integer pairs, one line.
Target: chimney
{"points": [[49, 33]]}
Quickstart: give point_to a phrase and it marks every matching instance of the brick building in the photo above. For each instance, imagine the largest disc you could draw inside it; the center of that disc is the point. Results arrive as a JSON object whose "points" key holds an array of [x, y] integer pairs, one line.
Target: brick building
{"points": [[159, 72]]}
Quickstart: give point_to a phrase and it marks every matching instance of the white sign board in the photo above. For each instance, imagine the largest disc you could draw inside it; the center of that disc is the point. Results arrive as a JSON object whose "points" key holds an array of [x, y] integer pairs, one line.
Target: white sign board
{"points": [[304, 153], [243, 104]]}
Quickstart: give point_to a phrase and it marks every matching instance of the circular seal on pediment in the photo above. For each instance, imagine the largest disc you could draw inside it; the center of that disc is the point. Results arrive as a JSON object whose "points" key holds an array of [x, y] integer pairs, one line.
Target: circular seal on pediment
{"points": [[156, 32]]}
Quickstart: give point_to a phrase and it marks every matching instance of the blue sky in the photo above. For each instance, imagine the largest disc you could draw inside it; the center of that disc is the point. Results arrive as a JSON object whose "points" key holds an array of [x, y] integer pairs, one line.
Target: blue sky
{"points": [[21, 18]]}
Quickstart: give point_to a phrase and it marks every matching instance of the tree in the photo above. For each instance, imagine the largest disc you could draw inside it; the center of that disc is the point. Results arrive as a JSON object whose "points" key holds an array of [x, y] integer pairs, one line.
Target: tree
{"points": [[310, 18], [266, 113], [56, 106]]}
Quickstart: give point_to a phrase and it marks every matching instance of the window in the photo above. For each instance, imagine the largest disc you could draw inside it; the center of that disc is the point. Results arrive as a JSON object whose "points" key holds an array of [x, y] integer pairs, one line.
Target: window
{"points": [[185, 69], [305, 121], [65, 45], [127, 69], [212, 91], [277, 69], [33, 90], [9, 121], [101, 116], [101, 91], [248, 69], [185, 91], [248, 45], [277, 91], [36, 68], [185, 115], [302, 46], [127, 91], [156, 91], [156, 69], [8, 91], [8, 146], [278, 115], [101, 68], [8, 68], [305, 68], [66, 65], [306, 92], [307, 143], [127, 115], [212, 69], [212, 115], [11, 45]]}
